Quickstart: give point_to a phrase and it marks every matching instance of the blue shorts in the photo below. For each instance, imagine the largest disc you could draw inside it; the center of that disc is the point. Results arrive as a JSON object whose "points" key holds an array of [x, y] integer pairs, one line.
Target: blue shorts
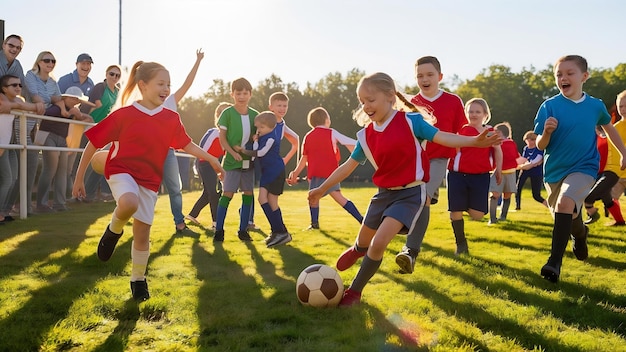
{"points": [[468, 191], [404, 205]]}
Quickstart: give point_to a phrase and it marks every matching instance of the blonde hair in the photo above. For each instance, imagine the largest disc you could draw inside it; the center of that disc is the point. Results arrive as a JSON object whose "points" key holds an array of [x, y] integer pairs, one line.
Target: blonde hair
{"points": [[317, 117], [620, 95], [483, 103], [266, 118], [505, 128], [530, 135], [218, 110], [382, 82], [39, 58], [141, 71]]}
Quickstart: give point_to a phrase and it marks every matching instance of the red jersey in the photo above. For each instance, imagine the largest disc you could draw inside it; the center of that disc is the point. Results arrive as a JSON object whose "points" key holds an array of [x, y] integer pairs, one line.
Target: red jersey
{"points": [[603, 150], [320, 147], [141, 139], [472, 160], [450, 114], [509, 155], [395, 152]]}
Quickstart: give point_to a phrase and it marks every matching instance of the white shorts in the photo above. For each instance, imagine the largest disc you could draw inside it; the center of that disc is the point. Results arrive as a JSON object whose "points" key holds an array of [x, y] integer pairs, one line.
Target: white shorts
{"points": [[121, 184]]}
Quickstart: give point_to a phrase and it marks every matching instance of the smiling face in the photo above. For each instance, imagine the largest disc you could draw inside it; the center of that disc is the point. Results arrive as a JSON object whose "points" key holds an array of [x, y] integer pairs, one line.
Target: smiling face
{"points": [[11, 48], [279, 108], [47, 63], [569, 79], [13, 88], [377, 104], [428, 79], [83, 68], [155, 90]]}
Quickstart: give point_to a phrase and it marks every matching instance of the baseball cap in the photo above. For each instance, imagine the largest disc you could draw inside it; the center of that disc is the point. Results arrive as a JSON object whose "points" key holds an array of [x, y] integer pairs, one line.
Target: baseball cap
{"points": [[76, 92], [84, 57]]}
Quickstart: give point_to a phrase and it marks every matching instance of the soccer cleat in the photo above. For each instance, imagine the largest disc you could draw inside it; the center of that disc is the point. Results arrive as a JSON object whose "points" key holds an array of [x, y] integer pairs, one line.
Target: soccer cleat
{"points": [[219, 236], [244, 236], [461, 249], [350, 298], [139, 289], [592, 218], [406, 260], [348, 258], [270, 238], [580, 246], [252, 227], [107, 244], [280, 238], [313, 226], [551, 273]]}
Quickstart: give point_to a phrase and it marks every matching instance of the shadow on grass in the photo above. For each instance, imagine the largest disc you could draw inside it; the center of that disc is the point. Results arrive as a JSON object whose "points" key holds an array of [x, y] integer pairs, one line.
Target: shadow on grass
{"points": [[584, 306], [118, 339], [25, 328]]}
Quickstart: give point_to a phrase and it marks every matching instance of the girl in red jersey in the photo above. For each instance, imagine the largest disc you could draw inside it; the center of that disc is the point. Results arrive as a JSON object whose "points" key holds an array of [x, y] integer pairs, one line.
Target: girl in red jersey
{"points": [[391, 141], [141, 135], [469, 173]]}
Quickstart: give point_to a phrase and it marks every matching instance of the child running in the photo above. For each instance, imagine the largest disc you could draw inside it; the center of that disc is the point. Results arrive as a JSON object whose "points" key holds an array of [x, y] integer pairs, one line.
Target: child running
{"points": [[391, 142], [565, 125], [321, 156], [469, 174], [141, 135]]}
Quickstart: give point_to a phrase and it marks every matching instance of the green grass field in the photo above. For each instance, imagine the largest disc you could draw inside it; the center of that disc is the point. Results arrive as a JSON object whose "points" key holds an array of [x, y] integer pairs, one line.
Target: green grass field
{"points": [[55, 295]]}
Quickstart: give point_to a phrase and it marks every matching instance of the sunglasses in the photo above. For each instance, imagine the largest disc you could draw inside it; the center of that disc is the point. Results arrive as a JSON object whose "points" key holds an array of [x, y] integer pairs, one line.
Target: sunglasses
{"points": [[49, 61], [14, 85], [14, 46], [113, 74]]}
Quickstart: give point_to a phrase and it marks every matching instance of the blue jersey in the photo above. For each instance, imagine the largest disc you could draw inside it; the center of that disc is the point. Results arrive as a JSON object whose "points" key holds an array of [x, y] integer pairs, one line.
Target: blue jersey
{"points": [[572, 146], [268, 155]]}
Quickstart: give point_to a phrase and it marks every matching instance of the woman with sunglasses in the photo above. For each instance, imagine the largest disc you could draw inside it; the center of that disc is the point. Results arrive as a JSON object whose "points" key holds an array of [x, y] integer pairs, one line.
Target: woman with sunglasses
{"points": [[104, 95], [40, 82]]}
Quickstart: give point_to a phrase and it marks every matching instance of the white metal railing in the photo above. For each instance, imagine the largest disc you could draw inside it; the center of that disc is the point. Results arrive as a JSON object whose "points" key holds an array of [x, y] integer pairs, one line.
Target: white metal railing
{"points": [[23, 147]]}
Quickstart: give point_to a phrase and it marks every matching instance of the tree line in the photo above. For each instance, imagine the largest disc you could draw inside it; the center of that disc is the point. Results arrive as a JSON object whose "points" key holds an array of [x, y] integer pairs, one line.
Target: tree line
{"points": [[512, 96]]}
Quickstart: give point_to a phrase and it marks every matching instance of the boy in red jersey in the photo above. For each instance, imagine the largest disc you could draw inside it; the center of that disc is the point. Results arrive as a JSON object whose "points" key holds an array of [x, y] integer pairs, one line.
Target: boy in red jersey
{"points": [[448, 110], [320, 156], [508, 186]]}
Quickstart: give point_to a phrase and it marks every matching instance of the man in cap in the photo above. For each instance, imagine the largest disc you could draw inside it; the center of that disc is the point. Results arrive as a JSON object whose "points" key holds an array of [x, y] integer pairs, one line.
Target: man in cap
{"points": [[79, 78]]}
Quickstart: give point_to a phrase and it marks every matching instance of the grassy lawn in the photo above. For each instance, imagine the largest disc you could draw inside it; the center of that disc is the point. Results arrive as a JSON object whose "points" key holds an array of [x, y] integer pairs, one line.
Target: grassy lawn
{"points": [[56, 295]]}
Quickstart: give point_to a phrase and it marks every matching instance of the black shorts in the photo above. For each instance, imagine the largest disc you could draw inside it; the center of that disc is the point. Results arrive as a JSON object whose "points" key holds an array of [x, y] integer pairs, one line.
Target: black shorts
{"points": [[277, 186]]}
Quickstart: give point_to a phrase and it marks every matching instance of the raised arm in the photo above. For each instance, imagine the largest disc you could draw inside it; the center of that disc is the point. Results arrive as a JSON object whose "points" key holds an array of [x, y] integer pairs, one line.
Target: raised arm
{"points": [[180, 93]]}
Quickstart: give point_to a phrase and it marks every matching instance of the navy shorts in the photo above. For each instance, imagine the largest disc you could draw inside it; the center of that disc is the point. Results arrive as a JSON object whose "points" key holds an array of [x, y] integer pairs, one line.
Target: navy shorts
{"points": [[277, 186], [404, 205], [468, 191]]}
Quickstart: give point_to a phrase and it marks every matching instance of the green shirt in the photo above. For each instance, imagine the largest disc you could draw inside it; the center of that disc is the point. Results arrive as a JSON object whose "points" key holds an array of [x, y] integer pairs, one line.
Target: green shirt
{"points": [[239, 131]]}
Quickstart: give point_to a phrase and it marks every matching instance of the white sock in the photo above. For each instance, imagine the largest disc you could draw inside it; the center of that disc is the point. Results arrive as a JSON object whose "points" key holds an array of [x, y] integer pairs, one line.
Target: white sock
{"points": [[140, 263], [117, 224]]}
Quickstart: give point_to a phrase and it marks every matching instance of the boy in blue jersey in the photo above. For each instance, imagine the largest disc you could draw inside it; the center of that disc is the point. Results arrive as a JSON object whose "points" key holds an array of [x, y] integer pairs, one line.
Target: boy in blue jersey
{"points": [[272, 183], [565, 127]]}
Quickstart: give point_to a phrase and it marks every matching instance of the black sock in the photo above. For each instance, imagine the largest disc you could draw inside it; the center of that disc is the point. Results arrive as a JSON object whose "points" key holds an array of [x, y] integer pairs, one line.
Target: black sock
{"points": [[368, 268]]}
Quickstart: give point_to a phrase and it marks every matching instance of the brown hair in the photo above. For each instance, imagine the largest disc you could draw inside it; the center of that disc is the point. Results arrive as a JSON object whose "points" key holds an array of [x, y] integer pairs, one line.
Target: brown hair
{"points": [[141, 71], [240, 84], [580, 61], [505, 128], [429, 60], [14, 36], [317, 117], [530, 135], [483, 103], [278, 96], [267, 118]]}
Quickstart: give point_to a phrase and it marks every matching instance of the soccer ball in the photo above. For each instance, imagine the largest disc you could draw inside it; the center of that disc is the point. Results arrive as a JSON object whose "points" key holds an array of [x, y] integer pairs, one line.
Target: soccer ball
{"points": [[319, 286], [98, 160]]}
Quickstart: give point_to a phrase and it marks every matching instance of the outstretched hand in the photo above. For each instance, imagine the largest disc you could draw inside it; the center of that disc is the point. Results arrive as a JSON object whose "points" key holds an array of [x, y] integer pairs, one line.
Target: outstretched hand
{"points": [[488, 138], [199, 54]]}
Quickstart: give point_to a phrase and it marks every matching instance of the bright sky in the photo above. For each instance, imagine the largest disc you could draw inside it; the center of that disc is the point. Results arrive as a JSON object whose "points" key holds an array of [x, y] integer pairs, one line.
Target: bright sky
{"points": [[302, 41]]}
